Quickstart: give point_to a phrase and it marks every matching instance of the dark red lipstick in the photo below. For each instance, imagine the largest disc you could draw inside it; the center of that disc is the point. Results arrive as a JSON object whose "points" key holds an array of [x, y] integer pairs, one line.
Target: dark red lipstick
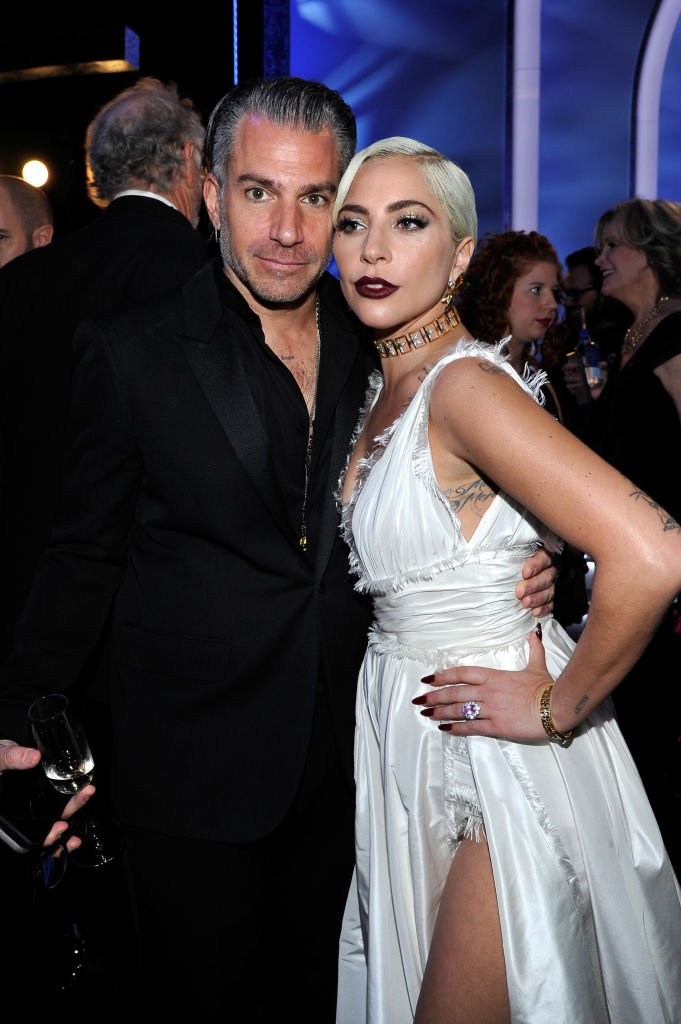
{"points": [[374, 287]]}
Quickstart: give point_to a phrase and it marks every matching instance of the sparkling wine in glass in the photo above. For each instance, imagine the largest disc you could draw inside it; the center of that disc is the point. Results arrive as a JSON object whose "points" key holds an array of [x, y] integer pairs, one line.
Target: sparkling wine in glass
{"points": [[68, 764]]}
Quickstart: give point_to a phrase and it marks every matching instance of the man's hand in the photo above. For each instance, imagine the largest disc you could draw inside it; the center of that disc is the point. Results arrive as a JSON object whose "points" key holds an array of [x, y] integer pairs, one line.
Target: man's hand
{"points": [[14, 757], [75, 804], [575, 383], [537, 588]]}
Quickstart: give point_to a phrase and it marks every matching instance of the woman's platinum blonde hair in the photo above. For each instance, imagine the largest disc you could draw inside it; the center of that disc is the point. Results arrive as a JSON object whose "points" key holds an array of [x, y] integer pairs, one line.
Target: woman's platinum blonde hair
{"points": [[449, 184]]}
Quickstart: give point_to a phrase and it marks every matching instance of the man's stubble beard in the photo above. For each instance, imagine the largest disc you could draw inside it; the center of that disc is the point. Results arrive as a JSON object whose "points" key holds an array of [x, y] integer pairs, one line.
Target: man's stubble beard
{"points": [[258, 290]]}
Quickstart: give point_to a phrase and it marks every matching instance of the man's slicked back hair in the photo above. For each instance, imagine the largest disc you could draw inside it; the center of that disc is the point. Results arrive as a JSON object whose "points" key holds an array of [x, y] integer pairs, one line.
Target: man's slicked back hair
{"points": [[288, 102]]}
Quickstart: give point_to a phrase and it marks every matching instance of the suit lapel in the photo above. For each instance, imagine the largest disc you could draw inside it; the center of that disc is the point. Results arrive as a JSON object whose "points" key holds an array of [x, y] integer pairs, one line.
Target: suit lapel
{"points": [[215, 363]]}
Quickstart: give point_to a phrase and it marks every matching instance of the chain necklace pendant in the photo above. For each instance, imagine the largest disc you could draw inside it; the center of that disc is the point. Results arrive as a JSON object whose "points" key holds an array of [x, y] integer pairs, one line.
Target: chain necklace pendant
{"points": [[302, 542]]}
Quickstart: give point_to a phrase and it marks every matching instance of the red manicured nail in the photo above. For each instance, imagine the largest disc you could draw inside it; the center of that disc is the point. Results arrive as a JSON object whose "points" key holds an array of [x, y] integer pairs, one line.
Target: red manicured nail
{"points": [[428, 712], [428, 679], [537, 630], [445, 726], [419, 700]]}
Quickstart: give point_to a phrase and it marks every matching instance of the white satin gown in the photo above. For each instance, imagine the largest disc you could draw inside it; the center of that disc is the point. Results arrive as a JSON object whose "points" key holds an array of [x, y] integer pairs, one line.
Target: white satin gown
{"points": [[590, 907]]}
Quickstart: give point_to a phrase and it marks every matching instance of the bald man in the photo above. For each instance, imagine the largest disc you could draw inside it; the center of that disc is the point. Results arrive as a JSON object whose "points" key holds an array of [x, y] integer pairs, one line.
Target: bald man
{"points": [[26, 220]]}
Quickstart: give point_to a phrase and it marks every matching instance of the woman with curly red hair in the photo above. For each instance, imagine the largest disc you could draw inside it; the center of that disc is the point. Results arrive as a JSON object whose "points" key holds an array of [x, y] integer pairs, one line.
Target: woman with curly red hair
{"points": [[511, 289]]}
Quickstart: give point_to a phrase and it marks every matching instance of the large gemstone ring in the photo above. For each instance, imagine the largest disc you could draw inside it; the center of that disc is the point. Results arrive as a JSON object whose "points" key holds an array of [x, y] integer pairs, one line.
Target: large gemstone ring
{"points": [[470, 710]]}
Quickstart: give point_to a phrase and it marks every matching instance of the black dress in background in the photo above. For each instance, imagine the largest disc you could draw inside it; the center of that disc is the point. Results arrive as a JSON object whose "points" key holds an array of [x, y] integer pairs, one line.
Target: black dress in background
{"points": [[635, 426]]}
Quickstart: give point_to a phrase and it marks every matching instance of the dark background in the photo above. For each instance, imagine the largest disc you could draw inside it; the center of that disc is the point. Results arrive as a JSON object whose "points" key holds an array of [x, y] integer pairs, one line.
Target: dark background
{"points": [[190, 44]]}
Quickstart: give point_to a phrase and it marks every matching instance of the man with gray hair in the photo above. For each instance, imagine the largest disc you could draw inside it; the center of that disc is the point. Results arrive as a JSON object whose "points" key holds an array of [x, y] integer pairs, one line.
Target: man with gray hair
{"points": [[26, 219], [144, 153], [209, 433], [147, 141]]}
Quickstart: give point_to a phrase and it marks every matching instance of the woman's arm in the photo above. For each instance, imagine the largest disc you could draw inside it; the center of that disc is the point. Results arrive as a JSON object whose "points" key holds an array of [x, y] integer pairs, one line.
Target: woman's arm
{"points": [[481, 416]]}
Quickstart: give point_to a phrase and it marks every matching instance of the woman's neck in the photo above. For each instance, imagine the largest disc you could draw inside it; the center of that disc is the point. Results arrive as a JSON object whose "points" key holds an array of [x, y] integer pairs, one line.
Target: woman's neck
{"points": [[419, 361]]}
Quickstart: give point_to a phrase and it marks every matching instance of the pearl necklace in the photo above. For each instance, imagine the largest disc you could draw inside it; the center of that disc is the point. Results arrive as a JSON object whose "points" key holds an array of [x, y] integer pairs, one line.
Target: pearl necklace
{"points": [[635, 334]]}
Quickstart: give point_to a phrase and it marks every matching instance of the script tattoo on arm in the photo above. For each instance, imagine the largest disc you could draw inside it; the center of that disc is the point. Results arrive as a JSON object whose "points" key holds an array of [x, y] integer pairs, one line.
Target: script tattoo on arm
{"points": [[668, 522], [475, 494]]}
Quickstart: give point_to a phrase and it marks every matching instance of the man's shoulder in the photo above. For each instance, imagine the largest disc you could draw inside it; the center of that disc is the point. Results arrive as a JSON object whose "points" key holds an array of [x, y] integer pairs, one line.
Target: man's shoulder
{"points": [[170, 310], [142, 224], [27, 268]]}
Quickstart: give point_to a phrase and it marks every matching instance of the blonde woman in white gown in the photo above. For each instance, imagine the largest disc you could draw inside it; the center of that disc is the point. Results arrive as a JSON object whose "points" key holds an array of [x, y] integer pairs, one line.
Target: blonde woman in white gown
{"points": [[509, 867]]}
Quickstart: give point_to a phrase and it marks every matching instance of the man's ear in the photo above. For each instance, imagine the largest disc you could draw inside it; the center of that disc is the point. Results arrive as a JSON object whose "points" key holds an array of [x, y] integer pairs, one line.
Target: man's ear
{"points": [[211, 197], [191, 157], [42, 236]]}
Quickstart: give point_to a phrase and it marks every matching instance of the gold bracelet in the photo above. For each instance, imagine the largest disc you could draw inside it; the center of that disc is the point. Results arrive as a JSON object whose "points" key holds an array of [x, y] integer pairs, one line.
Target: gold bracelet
{"points": [[563, 738]]}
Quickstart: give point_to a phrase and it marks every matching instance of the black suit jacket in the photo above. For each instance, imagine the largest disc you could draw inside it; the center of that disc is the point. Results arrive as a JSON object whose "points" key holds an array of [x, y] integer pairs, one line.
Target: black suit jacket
{"points": [[137, 248], [221, 627]]}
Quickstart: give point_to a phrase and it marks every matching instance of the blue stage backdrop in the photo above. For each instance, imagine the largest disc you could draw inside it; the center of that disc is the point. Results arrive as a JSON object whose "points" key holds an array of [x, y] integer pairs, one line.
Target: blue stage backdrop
{"points": [[437, 71], [669, 176]]}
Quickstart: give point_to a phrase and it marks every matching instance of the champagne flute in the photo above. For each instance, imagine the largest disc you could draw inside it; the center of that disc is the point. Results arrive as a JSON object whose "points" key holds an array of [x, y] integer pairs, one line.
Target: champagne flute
{"points": [[68, 765]]}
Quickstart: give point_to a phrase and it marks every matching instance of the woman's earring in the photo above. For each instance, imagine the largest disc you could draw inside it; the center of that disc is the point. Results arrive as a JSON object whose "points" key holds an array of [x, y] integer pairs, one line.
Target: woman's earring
{"points": [[452, 288], [448, 295]]}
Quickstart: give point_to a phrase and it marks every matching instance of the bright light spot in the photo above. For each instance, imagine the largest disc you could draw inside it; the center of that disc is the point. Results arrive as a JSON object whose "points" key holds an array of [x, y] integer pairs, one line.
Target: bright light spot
{"points": [[35, 173]]}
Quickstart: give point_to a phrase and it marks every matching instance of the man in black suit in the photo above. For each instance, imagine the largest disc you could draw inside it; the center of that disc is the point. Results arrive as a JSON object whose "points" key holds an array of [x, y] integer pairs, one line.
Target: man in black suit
{"points": [[208, 434], [144, 152]]}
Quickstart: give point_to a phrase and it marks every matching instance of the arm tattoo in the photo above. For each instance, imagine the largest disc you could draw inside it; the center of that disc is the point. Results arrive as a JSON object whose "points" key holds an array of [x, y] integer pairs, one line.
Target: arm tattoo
{"points": [[580, 703], [491, 368], [475, 494], [668, 523]]}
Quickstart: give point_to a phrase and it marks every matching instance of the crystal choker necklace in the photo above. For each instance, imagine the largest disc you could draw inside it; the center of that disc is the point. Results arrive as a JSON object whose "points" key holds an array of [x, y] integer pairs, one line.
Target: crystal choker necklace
{"points": [[421, 336]]}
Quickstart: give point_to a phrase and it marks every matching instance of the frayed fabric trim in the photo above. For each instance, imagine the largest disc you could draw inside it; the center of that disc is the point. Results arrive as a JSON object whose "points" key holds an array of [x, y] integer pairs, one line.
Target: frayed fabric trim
{"points": [[463, 812], [531, 381], [580, 898], [393, 584]]}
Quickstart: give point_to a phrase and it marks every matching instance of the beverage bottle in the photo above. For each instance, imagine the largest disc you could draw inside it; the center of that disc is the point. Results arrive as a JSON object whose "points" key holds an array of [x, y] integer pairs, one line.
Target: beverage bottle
{"points": [[591, 356]]}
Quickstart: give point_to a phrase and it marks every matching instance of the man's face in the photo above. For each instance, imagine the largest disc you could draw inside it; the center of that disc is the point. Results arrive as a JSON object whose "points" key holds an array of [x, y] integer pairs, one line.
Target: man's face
{"points": [[275, 215], [13, 239], [580, 289]]}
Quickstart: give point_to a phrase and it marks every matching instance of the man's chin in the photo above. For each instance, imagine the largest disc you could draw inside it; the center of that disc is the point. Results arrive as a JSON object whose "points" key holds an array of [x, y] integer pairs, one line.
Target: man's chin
{"points": [[280, 292]]}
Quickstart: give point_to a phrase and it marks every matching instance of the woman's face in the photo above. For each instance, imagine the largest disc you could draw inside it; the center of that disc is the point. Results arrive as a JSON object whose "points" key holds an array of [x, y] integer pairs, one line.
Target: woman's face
{"points": [[533, 305], [626, 271], [393, 247]]}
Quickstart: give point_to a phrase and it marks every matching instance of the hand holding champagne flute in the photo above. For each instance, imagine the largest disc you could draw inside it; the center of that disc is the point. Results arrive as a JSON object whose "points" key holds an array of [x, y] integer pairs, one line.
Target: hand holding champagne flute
{"points": [[68, 763]]}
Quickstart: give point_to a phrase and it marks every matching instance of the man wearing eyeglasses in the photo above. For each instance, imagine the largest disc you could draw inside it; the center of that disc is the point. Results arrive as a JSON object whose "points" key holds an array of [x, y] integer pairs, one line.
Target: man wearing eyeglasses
{"points": [[606, 319]]}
